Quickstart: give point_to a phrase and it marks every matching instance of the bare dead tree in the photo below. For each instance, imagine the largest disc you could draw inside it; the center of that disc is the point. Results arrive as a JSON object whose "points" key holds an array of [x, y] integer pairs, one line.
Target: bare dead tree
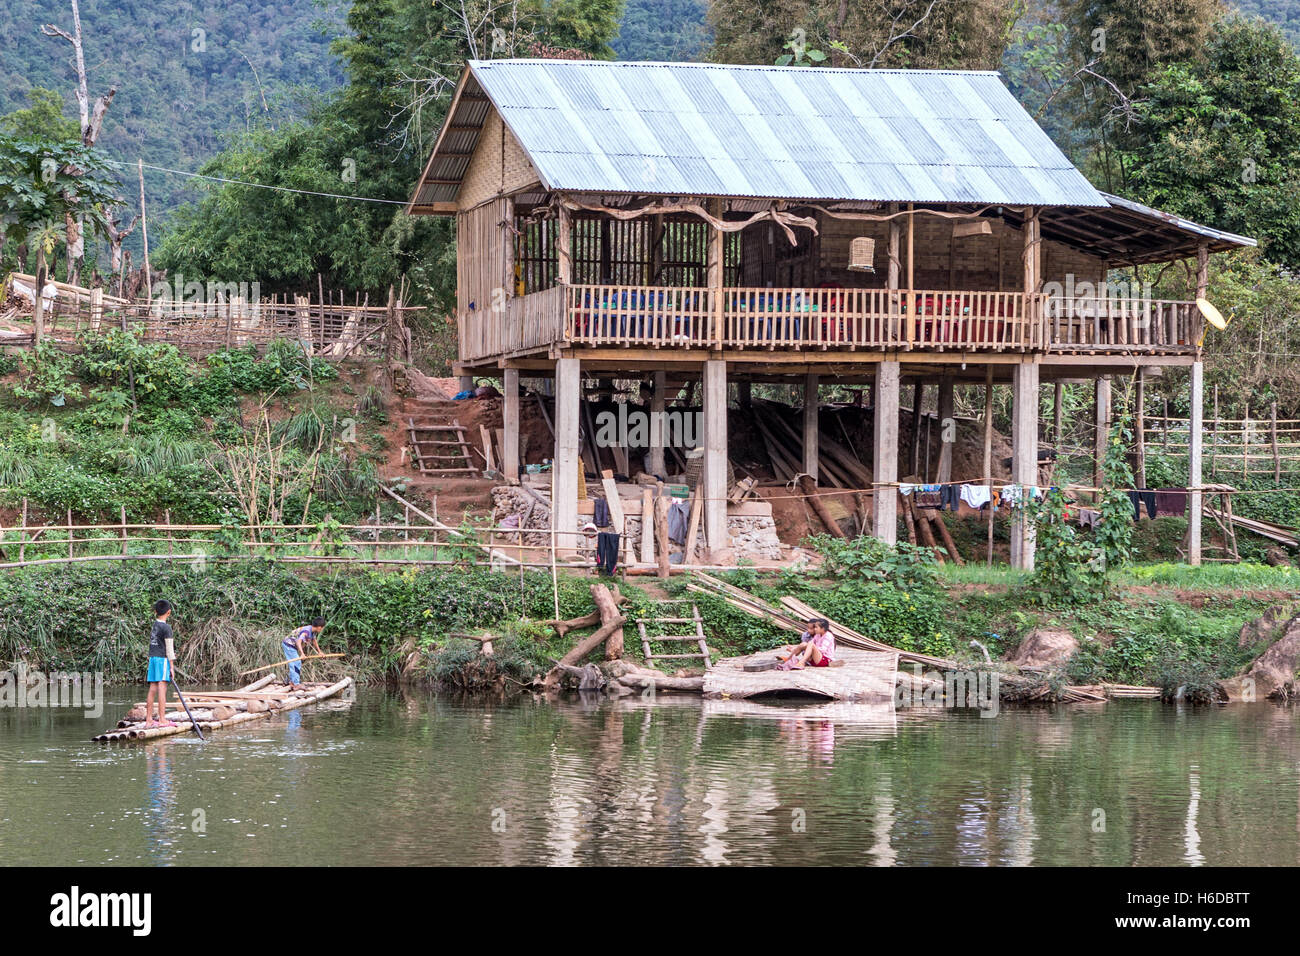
{"points": [[486, 29], [116, 236], [92, 122]]}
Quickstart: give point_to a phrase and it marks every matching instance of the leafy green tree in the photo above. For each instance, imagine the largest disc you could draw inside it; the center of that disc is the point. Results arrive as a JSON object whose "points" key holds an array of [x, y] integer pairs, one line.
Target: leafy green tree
{"points": [[42, 184], [402, 59], [1220, 138], [920, 34]]}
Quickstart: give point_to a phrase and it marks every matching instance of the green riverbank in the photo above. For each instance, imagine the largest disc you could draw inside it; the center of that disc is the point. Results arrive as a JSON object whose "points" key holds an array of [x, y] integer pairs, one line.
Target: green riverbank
{"points": [[1158, 625]]}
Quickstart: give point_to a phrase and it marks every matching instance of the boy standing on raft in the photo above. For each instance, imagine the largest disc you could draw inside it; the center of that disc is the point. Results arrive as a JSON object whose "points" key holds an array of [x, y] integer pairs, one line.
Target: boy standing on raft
{"points": [[296, 644], [162, 653]]}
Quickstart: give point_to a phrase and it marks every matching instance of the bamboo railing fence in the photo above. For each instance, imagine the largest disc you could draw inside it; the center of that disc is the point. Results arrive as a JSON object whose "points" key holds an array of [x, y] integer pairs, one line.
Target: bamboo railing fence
{"points": [[1241, 446], [335, 329]]}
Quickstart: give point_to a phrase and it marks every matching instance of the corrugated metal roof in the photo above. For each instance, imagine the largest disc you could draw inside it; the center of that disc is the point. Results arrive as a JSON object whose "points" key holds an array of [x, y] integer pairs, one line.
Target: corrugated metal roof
{"points": [[780, 132], [1119, 202]]}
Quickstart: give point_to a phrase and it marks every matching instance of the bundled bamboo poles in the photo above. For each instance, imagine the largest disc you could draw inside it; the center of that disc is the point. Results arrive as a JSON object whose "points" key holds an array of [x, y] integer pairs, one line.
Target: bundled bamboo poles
{"points": [[794, 613]]}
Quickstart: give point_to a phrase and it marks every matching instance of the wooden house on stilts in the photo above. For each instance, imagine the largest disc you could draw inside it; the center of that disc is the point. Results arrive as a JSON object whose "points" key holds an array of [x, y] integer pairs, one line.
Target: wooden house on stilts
{"points": [[787, 224]]}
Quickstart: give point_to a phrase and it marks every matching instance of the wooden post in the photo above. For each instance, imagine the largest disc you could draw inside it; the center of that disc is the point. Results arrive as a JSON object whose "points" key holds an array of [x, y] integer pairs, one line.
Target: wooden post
{"points": [[1194, 464], [144, 235], [715, 460], [717, 271], [1024, 458], [1101, 419], [988, 452], [810, 426], [1245, 443], [69, 534], [22, 534], [909, 306], [124, 545], [1058, 413], [171, 543], [564, 506], [884, 506], [1214, 436], [510, 417], [947, 429], [1032, 256], [647, 527], [895, 267], [1140, 428], [658, 404], [918, 399], [661, 534], [1277, 459]]}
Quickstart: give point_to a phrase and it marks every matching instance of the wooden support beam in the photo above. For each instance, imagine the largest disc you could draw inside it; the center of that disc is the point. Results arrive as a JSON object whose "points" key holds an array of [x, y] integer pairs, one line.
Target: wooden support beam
{"points": [[510, 416], [564, 509], [715, 460], [884, 462], [1101, 425], [658, 402], [947, 429], [810, 427], [1024, 458], [1195, 423]]}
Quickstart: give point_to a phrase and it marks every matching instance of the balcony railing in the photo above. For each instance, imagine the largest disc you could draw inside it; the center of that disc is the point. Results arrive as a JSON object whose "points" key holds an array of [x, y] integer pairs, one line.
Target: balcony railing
{"points": [[823, 319]]}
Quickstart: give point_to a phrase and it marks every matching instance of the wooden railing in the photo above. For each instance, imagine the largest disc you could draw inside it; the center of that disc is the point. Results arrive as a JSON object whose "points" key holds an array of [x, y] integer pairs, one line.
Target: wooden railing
{"points": [[332, 330], [680, 317], [833, 319], [1109, 323], [523, 322]]}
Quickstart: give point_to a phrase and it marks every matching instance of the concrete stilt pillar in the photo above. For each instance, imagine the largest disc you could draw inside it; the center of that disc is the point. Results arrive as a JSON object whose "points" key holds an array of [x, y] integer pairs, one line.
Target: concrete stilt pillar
{"points": [[658, 401], [947, 429], [1195, 424], [715, 461], [1024, 457], [510, 415], [568, 387], [810, 424], [1101, 418], [884, 462]]}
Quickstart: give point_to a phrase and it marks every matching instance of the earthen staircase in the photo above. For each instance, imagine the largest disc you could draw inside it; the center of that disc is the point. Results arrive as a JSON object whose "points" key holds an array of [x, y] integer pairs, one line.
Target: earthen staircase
{"points": [[439, 443]]}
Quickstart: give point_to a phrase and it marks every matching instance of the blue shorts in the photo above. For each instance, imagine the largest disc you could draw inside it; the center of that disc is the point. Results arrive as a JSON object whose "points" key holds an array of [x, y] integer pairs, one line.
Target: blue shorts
{"points": [[295, 669], [160, 670]]}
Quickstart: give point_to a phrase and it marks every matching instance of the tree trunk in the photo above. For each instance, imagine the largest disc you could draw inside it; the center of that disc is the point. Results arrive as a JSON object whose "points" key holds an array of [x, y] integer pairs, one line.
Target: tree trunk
{"points": [[38, 316]]}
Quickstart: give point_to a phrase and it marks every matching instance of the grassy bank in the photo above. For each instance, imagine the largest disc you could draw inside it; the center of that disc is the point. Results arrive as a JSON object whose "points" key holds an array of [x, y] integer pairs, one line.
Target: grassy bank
{"points": [[1160, 623]]}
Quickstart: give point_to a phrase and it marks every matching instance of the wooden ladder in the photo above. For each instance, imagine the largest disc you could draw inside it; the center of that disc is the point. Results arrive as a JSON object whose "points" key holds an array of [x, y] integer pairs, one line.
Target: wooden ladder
{"points": [[433, 446], [697, 638]]}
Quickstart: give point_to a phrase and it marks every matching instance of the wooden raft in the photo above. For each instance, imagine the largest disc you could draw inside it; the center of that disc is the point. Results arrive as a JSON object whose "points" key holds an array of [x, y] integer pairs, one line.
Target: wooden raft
{"points": [[279, 696], [864, 675]]}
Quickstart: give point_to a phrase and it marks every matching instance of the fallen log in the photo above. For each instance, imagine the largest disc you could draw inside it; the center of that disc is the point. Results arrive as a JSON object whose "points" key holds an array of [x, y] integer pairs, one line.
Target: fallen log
{"points": [[809, 488], [611, 622]]}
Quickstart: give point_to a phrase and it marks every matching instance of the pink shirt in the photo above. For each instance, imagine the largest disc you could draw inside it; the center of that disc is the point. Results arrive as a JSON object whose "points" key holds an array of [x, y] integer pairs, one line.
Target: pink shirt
{"points": [[824, 643]]}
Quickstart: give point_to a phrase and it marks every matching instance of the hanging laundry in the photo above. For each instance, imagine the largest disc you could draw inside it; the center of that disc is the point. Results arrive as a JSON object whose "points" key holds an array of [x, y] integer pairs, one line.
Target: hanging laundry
{"points": [[607, 552], [1171, 502], [929, 496], [950, 497], [679, 517], [906, 488], [1089, 517], [1142, 497], [601, 513], [977, 496]]}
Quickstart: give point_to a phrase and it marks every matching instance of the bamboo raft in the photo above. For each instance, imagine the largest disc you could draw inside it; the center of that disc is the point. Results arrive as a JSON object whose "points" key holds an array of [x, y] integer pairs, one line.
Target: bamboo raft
{"points": [[217, 710]]}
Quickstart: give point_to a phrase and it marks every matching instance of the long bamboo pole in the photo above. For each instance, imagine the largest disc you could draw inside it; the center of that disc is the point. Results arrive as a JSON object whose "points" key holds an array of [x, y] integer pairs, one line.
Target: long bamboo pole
{"points": [[305, 657]]}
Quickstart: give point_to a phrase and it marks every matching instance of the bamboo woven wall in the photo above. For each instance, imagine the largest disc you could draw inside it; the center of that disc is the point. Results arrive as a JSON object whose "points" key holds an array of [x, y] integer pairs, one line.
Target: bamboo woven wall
{"points": [[498, 166]]}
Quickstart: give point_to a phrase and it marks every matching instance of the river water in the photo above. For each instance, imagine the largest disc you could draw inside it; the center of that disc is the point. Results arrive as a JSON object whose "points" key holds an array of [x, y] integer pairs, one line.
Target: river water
{"points": [[414, 778]]}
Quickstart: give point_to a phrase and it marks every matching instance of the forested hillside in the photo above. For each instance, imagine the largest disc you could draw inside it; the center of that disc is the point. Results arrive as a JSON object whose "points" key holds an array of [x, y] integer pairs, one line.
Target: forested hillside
{"points": [[663, 30], [187, 71]]}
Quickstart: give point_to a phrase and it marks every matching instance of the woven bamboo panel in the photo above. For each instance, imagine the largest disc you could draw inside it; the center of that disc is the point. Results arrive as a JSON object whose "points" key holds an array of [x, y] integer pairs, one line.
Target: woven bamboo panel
{"points": [[865, 675]]}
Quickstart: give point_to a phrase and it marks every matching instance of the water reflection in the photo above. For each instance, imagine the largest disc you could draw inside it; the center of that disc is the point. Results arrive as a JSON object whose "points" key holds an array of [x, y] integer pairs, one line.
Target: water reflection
{"points": [[418, 778], [160, 818]]}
